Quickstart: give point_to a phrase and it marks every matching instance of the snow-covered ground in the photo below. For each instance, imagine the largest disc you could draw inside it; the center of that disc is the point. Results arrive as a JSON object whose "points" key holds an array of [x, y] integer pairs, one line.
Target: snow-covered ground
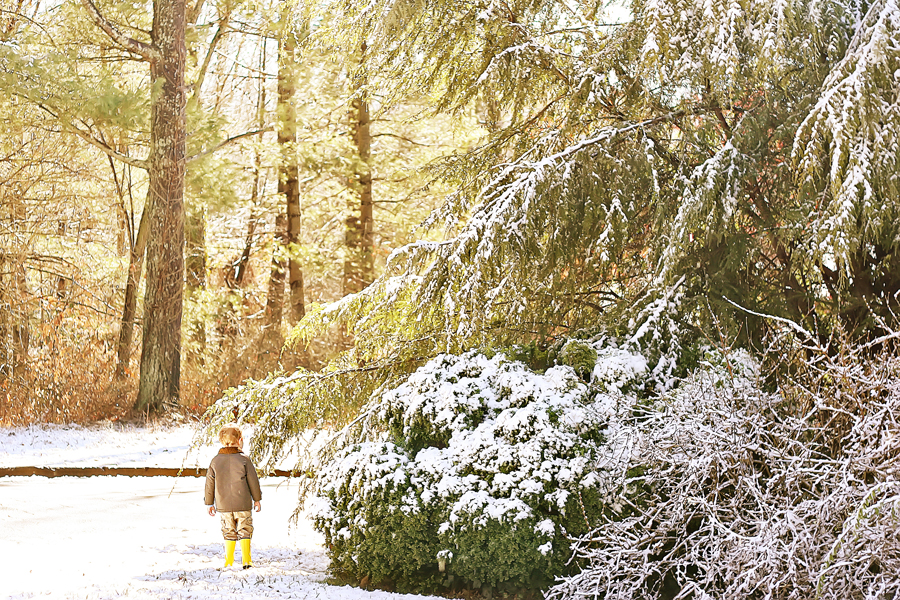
{"points": [[101, 446], [142, 537]]}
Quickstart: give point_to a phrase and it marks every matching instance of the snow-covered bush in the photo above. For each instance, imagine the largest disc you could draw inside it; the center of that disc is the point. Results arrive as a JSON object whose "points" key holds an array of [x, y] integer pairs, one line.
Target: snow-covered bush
{"points": [[481, 472], [792, 494]]}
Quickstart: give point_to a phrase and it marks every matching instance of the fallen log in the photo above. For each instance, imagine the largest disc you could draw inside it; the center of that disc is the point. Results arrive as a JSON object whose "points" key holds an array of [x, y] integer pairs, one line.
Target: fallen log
{"points": [[116, 471]]}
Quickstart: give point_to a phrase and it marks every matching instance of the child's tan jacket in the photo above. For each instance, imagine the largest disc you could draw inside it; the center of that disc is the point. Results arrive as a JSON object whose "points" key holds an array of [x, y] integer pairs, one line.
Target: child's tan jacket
{"points": [[231, 482]]}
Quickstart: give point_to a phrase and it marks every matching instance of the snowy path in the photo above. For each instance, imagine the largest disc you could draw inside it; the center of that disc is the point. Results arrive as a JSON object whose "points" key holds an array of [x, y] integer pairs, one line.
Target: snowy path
{"points": [[143, 537], [117, 537], [109, 445]]}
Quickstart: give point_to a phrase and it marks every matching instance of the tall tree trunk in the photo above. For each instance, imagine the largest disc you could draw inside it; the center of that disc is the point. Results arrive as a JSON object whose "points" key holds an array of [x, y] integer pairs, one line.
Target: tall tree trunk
{"points": [[21, 331], [271, 338], [129, 311], [289, 173], [238, 271], [122, 233], [18, 299], [5, 321], [14, 327], [359, 267], [195, 267], [161, 352]]}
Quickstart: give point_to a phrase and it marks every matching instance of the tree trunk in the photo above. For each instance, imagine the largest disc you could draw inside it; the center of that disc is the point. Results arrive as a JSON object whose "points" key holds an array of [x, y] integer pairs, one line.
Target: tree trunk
{"points": [[289, 173], [195, 267], [271, 338], [195, 240], [359, 268], [129, 311], [161, 352], [20, 330], [18, 300], [238, 272], [5, 347], [122, 233]]}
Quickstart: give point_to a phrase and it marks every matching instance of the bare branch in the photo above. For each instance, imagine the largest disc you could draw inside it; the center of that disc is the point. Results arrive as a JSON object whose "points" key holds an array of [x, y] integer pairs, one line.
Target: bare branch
{"points": [[147, 51], [128, 160], [230, 140], [405, 139], [99, 144], [193, 12], [201, 76]]}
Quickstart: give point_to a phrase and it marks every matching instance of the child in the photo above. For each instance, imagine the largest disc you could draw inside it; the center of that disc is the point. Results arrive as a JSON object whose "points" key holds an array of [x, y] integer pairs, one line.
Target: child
{"points": [[231, 485]]}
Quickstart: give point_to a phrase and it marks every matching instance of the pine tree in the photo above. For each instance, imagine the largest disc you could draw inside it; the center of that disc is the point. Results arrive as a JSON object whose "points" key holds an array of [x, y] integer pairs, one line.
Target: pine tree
{"points": [[288, 177], [708, 145], [359, 266]]}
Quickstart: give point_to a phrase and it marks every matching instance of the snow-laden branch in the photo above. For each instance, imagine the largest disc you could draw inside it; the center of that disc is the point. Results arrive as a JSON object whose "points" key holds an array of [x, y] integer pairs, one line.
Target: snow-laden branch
{"points": [[752, 494], [791, 324]]}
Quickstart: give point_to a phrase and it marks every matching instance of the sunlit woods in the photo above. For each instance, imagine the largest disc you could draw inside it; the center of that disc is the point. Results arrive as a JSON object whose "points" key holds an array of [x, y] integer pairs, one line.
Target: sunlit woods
{"points": [[58, 280], [74, 187]]}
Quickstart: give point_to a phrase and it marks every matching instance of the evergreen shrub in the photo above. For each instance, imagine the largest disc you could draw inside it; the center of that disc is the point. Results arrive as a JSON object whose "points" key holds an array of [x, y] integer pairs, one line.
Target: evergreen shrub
{"points": [[476, 472]]}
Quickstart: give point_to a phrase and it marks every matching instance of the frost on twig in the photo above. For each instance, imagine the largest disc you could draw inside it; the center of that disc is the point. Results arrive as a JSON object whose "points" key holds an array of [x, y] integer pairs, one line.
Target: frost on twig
{"points": [[756, 494]]}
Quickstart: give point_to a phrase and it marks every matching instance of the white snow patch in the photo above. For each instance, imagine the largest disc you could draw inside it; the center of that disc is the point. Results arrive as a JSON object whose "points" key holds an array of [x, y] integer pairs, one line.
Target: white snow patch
{"points": [[143, 537], [108, 445]]}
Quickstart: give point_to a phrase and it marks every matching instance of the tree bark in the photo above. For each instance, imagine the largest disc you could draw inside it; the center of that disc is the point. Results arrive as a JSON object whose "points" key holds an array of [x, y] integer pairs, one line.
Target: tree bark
{"points": [[275, 295], [122, 233], [289, 173], [195, 267], [129, 310], [21, 331], [271, 337], [161, 351], [18, 300], [359, 267], [5, 348], [238, 272], [195, 240]]}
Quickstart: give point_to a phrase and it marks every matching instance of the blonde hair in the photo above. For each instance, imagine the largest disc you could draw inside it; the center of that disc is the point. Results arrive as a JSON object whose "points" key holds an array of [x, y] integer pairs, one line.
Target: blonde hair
{"points": [[230, 434]]}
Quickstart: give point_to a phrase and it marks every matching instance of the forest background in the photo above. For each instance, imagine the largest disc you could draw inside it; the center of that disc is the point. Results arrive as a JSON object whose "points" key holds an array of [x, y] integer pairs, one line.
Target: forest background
{"points": [[183, 184], [298, 182]]}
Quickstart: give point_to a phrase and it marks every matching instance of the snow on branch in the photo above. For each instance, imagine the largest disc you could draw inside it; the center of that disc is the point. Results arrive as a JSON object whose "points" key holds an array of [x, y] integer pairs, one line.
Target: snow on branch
{"points": [[847, 143], [753, 494]]}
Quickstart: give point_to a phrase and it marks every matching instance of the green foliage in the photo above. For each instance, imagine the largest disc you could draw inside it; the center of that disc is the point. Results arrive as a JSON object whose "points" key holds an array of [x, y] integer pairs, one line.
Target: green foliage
{"points": [[213, 182], [476, 472], [505, 558], [579, 355], [639, 152], [396, 547]]}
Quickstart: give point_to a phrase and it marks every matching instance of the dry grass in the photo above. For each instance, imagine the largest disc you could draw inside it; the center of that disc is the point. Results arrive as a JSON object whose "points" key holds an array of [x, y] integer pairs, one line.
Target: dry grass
{"points": [[65, 384], [73, 384]]}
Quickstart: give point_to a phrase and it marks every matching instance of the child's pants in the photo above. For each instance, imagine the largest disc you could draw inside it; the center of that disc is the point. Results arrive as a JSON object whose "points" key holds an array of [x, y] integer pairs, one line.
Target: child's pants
{"points": [[237, 525]]}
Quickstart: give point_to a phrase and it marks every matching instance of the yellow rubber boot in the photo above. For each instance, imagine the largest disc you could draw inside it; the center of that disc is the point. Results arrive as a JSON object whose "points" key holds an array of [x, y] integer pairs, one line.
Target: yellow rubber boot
{"points": [[245, 553], [229, 552]]}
